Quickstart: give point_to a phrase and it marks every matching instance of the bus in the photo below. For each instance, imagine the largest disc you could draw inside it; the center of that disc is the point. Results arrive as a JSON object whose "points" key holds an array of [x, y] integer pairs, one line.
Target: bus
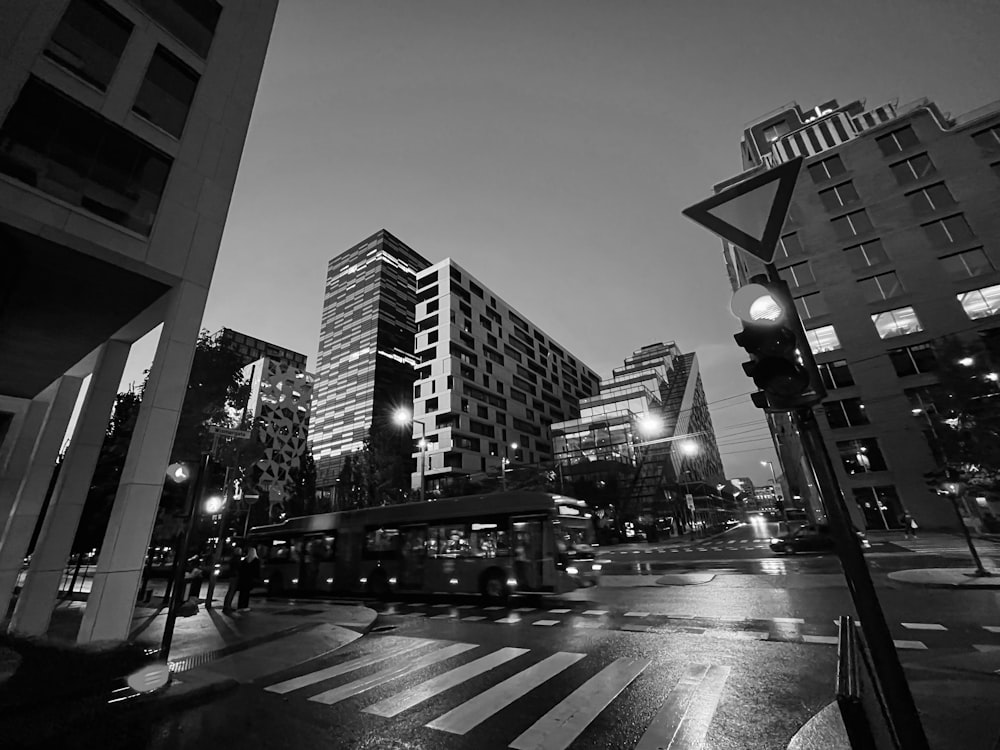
{"points": [[493, 545]]}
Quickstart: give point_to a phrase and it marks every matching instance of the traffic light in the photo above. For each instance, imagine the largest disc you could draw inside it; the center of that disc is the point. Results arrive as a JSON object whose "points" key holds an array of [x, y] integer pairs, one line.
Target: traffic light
{"points": [[781, 362]]}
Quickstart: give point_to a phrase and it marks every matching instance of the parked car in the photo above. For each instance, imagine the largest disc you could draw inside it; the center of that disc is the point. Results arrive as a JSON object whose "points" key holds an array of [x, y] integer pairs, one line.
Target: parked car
{"points": [[56, 694], [811, 539]]}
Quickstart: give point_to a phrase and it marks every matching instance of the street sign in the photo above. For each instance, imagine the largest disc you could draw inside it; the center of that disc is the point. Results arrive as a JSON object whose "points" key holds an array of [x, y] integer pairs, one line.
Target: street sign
{"points": [[751, 213], [230, 433], [250, 499]]}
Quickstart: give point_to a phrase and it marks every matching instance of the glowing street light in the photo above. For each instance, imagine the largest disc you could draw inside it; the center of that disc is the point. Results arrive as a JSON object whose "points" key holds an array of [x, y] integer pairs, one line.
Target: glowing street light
{"points": [[214, 504], [689, 448], [403, 417], [967, 361]]}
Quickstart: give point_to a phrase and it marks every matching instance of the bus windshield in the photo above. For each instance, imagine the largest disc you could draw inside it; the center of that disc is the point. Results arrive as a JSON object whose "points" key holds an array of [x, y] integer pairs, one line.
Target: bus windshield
{"points": [[575, 538]]}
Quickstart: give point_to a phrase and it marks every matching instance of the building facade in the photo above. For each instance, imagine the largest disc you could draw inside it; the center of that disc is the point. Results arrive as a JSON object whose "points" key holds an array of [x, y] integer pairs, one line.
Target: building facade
{"points": [[250, 349], [489, 382], [892, 243], [648, 433], [365, 367], [122, 124]]}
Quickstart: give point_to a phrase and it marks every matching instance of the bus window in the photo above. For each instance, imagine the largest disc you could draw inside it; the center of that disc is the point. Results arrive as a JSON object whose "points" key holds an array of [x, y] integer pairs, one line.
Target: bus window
{"points": [[575, 538], [488, 540], [319, 549], [451, 540], [382, 542], [277, 551]]}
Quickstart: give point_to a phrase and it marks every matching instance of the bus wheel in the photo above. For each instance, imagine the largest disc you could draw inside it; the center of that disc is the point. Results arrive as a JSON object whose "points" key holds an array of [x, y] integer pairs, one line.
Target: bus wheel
{"points": [[494, 588]]}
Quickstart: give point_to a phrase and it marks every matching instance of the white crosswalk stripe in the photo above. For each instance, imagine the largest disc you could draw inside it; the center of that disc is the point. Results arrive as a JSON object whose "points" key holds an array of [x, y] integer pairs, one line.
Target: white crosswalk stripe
{"points": [[682, 722]]}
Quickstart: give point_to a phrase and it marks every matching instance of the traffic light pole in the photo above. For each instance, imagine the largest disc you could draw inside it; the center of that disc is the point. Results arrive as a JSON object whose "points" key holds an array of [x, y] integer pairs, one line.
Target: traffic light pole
{"points": [[899, 704]]}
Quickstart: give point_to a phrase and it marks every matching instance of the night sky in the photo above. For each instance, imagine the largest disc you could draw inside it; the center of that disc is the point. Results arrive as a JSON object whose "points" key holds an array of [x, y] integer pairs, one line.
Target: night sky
{"points": [[549, 147]]}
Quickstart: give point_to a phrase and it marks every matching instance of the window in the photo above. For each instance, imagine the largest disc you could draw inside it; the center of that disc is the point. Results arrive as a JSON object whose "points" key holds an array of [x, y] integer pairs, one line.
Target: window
{"points": [[191, 21], [433, 305], [466, 443], [949, 231], [835, 374], [89, 41], [913, 169], [823, 339], [430, 405], [881, 287], [931, 198], [852, 224], [988, 139], [897, 322], [866, 254], [911, 360], [897, 141], [827, 169], [861, 456], [849, 412], [432, 337], [483, 412], [494, 449], [774, 132], [789, 245], [798, 275], [970, 263], [839, 196], [487, 430], [53, 144], [811, 306], [923, 400], [166, 92], [981, 303], [880, 505]]}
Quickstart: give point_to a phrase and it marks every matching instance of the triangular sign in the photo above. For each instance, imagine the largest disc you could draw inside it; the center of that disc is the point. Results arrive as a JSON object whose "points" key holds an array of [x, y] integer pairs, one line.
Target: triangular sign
{"points": [[751, 213]]}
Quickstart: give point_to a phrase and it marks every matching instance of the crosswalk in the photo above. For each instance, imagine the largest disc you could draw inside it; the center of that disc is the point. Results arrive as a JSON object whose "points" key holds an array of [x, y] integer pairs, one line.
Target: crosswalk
{"points": [[948, 548], [681, 722]]}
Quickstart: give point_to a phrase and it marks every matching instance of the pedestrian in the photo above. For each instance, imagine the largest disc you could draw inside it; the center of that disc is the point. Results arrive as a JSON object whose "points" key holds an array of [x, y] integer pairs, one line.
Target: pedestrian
{"points": [[235, 557], [248, 576], [909, 525]]}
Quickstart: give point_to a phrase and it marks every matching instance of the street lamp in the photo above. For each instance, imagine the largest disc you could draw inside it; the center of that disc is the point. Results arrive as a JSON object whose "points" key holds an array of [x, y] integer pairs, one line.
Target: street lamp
{"points": [[504, 463], [403, 417], [774, 481]]}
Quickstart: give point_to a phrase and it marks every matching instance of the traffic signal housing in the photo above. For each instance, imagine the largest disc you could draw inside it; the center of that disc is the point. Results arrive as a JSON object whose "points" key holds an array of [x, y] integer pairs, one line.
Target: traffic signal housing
{"points": [[781, 362]]}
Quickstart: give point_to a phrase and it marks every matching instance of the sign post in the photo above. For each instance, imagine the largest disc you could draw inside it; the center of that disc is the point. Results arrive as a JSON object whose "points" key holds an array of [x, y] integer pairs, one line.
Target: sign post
{"points": [[750, 215]]}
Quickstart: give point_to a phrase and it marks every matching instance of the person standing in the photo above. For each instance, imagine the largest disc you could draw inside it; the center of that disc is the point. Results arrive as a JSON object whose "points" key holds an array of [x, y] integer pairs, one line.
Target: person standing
{"points": [[235, 558], [248, 576], [909, 525]]}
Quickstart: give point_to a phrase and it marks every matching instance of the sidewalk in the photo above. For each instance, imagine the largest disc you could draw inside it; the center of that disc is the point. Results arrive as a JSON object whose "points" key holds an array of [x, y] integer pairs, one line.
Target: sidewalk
{"points": [[212, 652]]}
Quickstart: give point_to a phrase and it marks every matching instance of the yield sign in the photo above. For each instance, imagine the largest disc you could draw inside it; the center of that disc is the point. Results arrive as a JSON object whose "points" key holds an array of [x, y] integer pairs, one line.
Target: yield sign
{"points": [[751, 213]]}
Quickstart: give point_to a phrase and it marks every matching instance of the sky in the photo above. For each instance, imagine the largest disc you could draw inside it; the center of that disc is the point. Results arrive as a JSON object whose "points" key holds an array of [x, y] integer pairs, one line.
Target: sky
{"points": [[548, 147]]}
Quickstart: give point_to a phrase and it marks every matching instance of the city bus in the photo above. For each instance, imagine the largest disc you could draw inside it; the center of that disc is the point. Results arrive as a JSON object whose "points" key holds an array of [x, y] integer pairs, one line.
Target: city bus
{"points": [[493, 545]]}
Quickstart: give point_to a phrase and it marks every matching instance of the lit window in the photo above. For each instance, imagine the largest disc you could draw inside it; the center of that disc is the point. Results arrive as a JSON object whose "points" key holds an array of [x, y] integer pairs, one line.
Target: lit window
{"points": [[861, 456], [897, 322], [866, 254], [89, 41], [910, 170], [970, 263], [897, 141], [881, 287], [981, 303], [823, 339]]}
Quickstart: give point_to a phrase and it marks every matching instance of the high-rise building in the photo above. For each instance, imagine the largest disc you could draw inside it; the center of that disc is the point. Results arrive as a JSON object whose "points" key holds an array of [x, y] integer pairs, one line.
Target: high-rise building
{"points": [[891, 244], [250, 349], [122, 124], [488, 379], [365, 367], [646, 433]]}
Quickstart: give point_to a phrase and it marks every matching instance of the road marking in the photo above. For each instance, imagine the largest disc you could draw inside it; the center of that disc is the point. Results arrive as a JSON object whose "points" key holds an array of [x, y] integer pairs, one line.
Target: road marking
{"points": [[992, 628], [439, 606], [394, 650], [922, 626], [546, 623], [564, 723], [794, 620], [396, 704], [637, 614], [509, 620], [491, 609], [466, 606], [694, 724], [524, 609], [403, 667], [473, 618], [984, 647], [558, 611], [464, 717], [914, 645], [445, 616], [831, 639], [595, 612]]}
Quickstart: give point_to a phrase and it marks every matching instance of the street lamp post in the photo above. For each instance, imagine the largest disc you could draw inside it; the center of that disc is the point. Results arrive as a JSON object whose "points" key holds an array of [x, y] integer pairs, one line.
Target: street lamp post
{"points": [[403, 417], [504, 463], [774, 484]]}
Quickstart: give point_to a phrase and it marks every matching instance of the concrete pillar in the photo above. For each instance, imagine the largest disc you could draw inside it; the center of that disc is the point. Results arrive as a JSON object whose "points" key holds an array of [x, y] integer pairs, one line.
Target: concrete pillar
{"points": [[41, 587], [17, 449], [19, 525], [108, 615]]}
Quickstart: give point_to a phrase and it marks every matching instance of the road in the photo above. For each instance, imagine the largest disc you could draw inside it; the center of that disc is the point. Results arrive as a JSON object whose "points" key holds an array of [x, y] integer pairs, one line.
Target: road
{"points": [[738, 661]]}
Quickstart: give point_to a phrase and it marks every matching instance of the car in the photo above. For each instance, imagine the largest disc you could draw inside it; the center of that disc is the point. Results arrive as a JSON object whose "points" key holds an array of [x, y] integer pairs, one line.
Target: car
{"points": [[60, 694], [811, 539]]}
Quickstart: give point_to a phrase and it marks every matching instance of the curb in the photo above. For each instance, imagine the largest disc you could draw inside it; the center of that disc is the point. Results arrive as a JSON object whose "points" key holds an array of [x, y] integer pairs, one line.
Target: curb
{"points": [[176, 696], [970, 586]]}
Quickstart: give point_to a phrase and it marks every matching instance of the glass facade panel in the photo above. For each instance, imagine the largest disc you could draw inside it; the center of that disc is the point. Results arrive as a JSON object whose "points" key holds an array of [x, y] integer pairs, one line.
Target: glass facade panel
{"points": [[981, 303], [896, 322], [89, 41], [822, 339], [861, 456], [849, 412], [166, 92], [69, 152], [835, 374], [911, 360], [881, 507]]}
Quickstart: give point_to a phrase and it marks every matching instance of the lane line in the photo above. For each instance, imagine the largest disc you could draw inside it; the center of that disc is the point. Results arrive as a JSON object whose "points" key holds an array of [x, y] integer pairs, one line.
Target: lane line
{"points": [[793, 620], [659, 735], [992, 628], [559, 611], [637, 614], [473, 618], [404, 667], [596, 612], [912, 645], [319, 675], [473, 712], [922, 626], [564, 723], [396, 704], [509, 620], [546, 623], [831, 639]]}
